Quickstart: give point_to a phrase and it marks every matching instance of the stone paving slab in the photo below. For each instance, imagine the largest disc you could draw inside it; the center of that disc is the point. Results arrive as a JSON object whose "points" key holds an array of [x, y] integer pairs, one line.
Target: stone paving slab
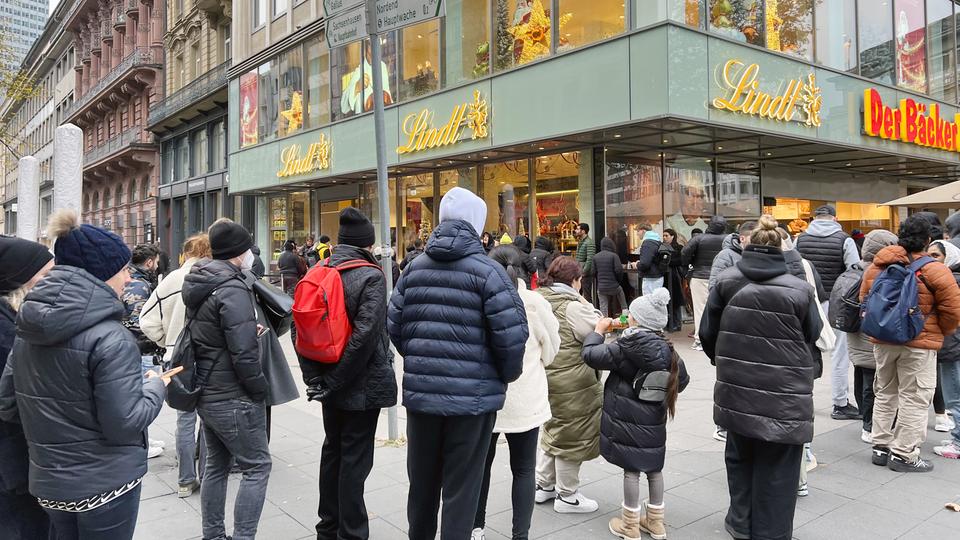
{"points": [[849, 498]]}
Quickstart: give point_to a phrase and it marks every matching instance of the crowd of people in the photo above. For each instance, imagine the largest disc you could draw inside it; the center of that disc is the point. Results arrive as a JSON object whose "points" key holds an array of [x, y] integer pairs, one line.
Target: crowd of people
{"points": [[498, 336]]}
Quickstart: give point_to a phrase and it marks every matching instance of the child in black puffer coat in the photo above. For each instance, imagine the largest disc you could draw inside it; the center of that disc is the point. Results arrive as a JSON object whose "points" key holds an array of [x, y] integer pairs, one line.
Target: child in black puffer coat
{"points": [[641, 391]]}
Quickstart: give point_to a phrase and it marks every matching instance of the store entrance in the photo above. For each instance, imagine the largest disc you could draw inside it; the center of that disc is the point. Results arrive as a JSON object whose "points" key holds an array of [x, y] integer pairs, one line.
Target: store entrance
{"points": [[329, 218]]}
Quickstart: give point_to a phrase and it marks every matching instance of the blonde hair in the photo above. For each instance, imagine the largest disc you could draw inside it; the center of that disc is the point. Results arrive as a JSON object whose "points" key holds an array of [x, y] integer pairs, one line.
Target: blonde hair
{"points": [[16, 297], [197, 247], [766, 232]]}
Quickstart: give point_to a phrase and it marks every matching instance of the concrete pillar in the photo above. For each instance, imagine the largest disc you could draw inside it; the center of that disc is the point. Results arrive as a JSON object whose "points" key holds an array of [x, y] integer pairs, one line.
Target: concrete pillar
{"points": [[143, 26], [28, 198], [68, 167]]}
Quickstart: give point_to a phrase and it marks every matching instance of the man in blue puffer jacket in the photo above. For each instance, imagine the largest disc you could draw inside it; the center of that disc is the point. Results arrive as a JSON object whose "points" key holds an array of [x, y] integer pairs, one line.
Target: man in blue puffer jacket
{"points": [[461, 328]]}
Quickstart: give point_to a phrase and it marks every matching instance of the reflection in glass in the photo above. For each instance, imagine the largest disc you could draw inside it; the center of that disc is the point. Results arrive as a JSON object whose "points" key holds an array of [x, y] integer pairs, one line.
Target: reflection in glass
{"points": [[506, 190], [421, 59], [267, 110], [837, 35], [467, 40], [910, 45], [739, 19], [738, 191], [875, 41], [689, 12], [290, 92], [790, 27], [941, 49], [633, 196], [587, 21], [318, 83], [558, 198], [688, 199]]}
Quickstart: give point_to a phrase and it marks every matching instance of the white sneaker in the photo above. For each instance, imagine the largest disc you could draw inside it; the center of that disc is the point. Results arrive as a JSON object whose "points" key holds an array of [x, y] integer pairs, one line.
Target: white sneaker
{"points": [[578, 504], [477, 534], [157, 444], [944, 423], [544, 495], [720, 434], [154, 451], [697, 346], [866, 437]]}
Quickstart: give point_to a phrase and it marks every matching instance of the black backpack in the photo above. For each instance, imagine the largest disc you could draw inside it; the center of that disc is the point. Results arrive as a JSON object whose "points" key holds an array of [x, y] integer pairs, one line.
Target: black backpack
{"points": [[662, 258], [844, 313]]}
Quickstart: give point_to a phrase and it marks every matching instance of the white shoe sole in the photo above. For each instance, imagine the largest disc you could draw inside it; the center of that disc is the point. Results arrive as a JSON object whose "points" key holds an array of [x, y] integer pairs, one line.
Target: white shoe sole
{"points": [[942, 428], [562, 507], [544, 496], [623, 536]]}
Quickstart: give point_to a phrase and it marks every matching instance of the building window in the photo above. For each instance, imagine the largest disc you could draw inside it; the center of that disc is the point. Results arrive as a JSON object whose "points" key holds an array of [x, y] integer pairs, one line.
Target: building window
{"points": [[195, 56], [86, 203], [144, 195], [96, 201], [182, 160], [522, 32], [581, 22], [249, 104], [688, 193], [267, 109], [218, 146], [633, 191], [875, 42], [910, 34], [941, 49], [505, 187], [354, 84], [420, 59], [118, 195], [259, 17], [741, 20], [290, 92], [467, 40], [199, 144], [132, 190], [837, 35], [318, 83], [279, 7], [790, 27]]}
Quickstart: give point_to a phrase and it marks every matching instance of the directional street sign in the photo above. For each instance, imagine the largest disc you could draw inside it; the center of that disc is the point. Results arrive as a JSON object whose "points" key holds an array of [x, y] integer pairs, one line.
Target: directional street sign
{"points": [[393, 14], [347, 27], [333, 7]]}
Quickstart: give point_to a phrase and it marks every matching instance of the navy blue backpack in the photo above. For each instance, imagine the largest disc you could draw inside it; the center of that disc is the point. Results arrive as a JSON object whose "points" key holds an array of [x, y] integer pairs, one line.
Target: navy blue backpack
{"points": [[891, 310]]}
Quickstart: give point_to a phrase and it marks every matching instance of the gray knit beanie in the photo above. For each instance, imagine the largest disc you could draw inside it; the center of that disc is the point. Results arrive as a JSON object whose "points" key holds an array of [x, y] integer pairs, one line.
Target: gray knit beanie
{"points": [[650, 310], [875, 241]]}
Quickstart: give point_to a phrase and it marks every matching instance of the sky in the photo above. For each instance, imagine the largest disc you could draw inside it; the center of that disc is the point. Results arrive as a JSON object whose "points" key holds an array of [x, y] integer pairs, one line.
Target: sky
{"points": [[53, 6]]}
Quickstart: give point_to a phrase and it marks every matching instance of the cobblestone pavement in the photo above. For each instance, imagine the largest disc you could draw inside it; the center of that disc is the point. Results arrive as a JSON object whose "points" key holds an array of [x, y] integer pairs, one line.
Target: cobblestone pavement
{"points": [[849, 498]]}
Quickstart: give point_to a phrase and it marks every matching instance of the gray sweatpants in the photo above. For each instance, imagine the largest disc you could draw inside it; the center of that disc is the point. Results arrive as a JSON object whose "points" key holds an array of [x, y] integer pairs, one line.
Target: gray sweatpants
{"points": [[839, 367]]}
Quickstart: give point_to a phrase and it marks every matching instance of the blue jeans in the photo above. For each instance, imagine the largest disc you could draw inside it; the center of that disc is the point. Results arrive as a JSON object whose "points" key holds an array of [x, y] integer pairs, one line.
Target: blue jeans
{"points": [[115, 520], [187, 442], [651, 284], [950, 381], [237, 429]]}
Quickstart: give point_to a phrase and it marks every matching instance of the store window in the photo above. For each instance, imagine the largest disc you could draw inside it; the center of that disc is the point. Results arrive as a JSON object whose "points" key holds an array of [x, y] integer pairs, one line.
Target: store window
{"points": [[290, 92], [249, 104], [467, 40], [633, 196], [875, 42], [790, 27], [318, 83], [794, 214], [941, 49], [910, 34], [299, 216], [278, 226], [218, 146], [741, 20], [200, 163], [420, 60], [522, 32], [738, 191], [417, 199], [558, 206], [353, 87], [581, 22], [836, 32], [182, 158], [169, 163], [688, 198], [267, 89], [465, 177], [689, 12], [506, 190]]}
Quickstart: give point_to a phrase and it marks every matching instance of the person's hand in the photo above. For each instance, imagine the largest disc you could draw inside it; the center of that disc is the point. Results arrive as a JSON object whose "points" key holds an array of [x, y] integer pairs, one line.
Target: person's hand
{"points": [[154, 375], [318, 393], [603, 325]]}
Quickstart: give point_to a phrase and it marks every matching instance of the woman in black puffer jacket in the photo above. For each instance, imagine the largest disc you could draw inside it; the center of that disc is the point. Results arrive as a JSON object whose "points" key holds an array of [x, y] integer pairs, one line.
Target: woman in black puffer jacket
{"points": [[948, 361], [757, 328]]}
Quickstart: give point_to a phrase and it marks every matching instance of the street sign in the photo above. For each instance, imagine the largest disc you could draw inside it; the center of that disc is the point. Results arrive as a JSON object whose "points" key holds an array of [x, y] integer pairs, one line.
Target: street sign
{"points": [[393, 14], [347, 27], [333, 7]]}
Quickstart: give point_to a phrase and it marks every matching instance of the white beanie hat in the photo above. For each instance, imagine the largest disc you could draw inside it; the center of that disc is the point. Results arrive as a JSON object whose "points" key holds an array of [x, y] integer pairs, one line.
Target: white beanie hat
{"points": [[650, 310], [460, 203]]}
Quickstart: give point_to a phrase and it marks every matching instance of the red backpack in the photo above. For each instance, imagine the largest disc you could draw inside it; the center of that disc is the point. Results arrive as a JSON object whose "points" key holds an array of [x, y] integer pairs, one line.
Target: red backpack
{"points": [[320, 312]]}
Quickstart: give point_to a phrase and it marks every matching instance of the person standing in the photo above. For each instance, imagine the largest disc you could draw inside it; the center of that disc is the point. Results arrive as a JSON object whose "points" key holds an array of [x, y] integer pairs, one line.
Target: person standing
{"points": [[354, 390], [292, 268], [732, 250], [948, 379], [73, 380], [461, 344], [413, 251], [258, 269], [649, 264], [572, 435], [907, 374], [832, 252], [162, 320], [700, 252], [609, 270], [673, 281], [586, 251], [219, 301], [526, 407], [22, 265], [542, 254]]}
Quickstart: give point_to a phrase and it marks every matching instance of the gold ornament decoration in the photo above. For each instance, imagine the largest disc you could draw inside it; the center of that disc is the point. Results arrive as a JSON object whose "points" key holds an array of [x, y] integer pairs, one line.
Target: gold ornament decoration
{"points": [[477, 116], [294, 115], [534, 34]]}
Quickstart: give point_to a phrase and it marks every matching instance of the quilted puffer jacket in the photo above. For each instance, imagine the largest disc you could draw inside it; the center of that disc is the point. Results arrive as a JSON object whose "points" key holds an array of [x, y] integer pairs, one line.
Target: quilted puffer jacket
{"points": [[74, 376], [758, 328], [363, 379], [13, 446], [220, 302], [633, 433], [703, 248], [459, 325]]}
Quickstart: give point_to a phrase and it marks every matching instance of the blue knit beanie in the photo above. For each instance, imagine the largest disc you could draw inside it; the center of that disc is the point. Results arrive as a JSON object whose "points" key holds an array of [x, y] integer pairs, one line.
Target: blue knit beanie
{"points": [[98, 251]]}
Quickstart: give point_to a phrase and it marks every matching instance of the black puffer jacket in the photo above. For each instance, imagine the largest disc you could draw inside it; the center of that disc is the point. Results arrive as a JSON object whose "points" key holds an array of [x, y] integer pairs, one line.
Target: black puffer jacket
{"points": [[950, 351], [542, 254], [459, 324], [529, 265], [13, 445], [647, 264], [633, 433], [608, 267], [219, 300], [363, 379], [74, 375], [758, 327], [703, 248]]}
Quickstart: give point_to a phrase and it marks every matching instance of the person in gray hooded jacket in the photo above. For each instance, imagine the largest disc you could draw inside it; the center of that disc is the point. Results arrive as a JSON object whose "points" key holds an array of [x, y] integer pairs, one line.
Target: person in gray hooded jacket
{"points": [[732, 250]]}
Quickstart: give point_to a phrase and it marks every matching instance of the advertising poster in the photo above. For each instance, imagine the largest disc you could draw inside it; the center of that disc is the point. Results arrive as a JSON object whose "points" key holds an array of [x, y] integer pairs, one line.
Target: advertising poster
{"points": [[248, 108], [909, 37]]}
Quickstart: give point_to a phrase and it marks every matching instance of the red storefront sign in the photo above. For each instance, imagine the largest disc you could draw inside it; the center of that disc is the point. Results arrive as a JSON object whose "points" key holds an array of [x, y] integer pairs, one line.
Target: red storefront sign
{"points": [[910, 122]]}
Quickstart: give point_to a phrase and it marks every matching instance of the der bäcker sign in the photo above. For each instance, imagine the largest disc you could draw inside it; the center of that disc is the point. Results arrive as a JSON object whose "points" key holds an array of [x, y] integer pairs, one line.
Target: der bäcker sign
{"points": [[910, 122]]}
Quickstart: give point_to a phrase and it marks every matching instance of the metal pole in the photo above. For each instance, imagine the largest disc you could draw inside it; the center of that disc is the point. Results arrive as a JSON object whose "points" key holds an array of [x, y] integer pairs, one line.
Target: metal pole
{"points": [[383, 188]]}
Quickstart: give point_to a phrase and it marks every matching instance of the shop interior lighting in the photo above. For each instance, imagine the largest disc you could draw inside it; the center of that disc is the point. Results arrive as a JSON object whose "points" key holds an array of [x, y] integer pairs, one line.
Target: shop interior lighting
{"points": [[561, 192]]}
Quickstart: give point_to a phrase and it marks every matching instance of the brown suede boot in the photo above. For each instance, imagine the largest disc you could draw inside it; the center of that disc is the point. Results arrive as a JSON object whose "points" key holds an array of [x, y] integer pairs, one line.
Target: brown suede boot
{"points": [[651, 522], [625, 526]]}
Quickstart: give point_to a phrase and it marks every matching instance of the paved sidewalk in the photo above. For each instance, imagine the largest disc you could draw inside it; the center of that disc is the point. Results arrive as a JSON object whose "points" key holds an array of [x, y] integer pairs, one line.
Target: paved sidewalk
{"points": [[849, 498]]}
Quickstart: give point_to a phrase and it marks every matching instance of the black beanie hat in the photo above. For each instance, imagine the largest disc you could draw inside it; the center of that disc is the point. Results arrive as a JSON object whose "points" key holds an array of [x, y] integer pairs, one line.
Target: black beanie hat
{"points": [[228, 240], [20, 260], [355, 229]]}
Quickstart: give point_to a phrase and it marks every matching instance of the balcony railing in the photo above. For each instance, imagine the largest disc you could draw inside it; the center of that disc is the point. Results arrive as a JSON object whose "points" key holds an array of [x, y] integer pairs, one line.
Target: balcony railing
{"points": [[195, 90], [142, 56], [133, 6], [106, 30], [114, 145]]}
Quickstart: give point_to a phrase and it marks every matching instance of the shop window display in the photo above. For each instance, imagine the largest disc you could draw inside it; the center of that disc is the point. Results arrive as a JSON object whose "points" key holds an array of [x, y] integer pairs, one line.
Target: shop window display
{"points": [[688, 199], [836, 33], [910, 44], [353, 90], [249, 104], [267, 89], [739, 19], [466, 40], [633, 196], [789, 27], [278, 226], [506, 190], [420, 59], [689, 12], [586, 21], [465, 177], [523, 31], [290, 92], [417, 199], [796, 214], [875, 42], [557, 209], [318, 83], [941, 50], [298, 207]]}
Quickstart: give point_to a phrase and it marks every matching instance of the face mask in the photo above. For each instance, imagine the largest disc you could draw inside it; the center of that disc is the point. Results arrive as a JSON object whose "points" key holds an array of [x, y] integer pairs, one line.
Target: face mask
{"points": [[248, 259]]}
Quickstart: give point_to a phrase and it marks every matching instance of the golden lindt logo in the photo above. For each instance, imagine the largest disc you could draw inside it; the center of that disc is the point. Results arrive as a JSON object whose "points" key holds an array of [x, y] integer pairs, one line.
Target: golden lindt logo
{"points": [[800, 101], [421, 134], [317, 158]]}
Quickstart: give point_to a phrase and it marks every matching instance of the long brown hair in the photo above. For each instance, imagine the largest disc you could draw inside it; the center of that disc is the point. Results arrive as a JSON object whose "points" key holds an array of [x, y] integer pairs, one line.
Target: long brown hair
{"points": [[673, 388]]}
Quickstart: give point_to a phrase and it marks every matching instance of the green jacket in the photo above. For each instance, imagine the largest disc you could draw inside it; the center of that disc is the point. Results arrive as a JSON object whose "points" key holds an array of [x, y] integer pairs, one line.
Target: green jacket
{"points": [[575, 392], [586, 250]]}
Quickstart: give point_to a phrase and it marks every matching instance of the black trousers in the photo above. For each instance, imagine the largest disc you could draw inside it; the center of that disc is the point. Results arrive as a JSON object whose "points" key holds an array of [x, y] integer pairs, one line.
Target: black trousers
{"points": [[863, 391], [762, 477], [939, 407], [445, 456], [22, 517], [523, 465], [345, 462]]}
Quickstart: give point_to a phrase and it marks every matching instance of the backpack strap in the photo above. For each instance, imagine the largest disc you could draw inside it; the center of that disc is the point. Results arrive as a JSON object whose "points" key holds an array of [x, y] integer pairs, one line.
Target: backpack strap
{"points": [[350, 265], [916, 266]]}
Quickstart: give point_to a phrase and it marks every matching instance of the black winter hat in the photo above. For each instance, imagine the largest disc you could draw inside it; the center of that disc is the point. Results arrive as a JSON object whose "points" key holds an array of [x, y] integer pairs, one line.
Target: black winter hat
{"points": [[20, 260], [228, 240], [355, 229]]}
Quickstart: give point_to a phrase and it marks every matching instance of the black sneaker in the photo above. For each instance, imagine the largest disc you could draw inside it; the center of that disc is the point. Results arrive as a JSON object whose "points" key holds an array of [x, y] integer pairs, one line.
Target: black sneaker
{"points": [[900, 464], [847, 412], [881, 455]]}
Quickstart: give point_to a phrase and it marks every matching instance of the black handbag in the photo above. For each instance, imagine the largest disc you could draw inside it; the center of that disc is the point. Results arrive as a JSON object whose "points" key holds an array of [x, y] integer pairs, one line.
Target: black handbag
{"points": [[276, 304]]}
